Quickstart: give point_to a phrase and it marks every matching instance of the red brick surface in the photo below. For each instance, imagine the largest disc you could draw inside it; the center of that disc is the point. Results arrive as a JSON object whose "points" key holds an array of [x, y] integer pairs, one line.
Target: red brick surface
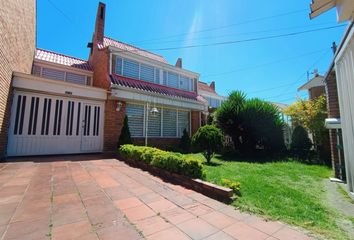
{"points": [[17, 45], [87, 197]]}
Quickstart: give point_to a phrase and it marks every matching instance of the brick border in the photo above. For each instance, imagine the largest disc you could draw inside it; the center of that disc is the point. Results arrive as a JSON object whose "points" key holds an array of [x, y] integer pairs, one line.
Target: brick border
{"points": [[209, 189]]}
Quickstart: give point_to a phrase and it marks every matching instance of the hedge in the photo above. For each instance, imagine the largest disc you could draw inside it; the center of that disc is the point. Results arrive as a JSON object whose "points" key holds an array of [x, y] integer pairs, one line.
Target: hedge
{"points": [[170, 161]]}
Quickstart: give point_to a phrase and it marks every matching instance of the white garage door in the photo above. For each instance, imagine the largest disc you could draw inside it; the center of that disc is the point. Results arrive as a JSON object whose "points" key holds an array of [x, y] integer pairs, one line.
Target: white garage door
{"points": [[45, 124]]}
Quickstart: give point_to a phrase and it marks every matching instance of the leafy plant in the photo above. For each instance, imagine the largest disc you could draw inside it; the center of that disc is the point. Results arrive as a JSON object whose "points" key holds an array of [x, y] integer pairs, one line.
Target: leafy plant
{"points": [[235, 186], [253, 124], [300, 143], [209, 139], [170, 161], [125, 137], [185, 142]]}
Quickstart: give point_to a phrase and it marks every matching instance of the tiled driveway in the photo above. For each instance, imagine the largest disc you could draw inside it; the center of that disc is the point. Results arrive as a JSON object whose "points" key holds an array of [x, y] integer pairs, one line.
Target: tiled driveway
{"points": [[85, 197]]}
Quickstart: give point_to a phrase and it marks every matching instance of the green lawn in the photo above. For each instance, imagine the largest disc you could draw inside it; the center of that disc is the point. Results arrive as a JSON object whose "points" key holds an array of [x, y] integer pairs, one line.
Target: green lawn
{"points": [[291, 192]]}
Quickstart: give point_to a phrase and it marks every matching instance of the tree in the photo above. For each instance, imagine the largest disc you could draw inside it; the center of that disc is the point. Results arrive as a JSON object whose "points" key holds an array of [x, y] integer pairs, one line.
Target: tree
{"points": [[185, 142], [125, 137], [300, 143], [209, 139], [253, 124], [310, 114]]}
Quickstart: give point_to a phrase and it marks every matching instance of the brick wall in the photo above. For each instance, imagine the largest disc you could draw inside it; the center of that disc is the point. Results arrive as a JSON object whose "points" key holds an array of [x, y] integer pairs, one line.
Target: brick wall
{"points": [[333, 112], [17, 46], [315, 92], [113, 124]]}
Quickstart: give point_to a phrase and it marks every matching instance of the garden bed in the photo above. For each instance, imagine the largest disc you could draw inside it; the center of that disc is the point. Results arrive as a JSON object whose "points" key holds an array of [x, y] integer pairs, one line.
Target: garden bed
{"points": [[142, 157]]}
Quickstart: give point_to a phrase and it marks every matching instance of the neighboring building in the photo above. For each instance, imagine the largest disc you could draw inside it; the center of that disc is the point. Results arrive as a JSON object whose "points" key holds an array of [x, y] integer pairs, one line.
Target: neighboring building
{"points": [[343, 66], [17, 45], [288, 129], [70, 105], [208, 93], [314, 86]]}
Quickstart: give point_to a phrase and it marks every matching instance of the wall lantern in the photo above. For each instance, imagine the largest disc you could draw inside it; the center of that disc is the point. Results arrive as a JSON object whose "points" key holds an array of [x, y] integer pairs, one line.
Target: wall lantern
{"points": [[119, 106], [154, 111]]}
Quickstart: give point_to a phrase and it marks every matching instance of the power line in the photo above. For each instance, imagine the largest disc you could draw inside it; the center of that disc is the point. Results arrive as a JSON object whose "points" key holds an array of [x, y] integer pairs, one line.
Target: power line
{"points": [[237, 34], [261, 65], [223, 27], [302, 75], [246, 40]]}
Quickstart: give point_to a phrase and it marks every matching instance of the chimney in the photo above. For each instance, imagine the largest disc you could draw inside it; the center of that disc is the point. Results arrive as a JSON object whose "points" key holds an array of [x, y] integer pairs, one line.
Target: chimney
{"points": [[99, 27], [315, 72], [212, 85], [334, 47], [179, 63]]}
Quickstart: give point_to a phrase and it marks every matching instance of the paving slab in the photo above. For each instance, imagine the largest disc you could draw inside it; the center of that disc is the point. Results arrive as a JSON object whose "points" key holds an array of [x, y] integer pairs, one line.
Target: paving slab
{"points": [[95, 197]]}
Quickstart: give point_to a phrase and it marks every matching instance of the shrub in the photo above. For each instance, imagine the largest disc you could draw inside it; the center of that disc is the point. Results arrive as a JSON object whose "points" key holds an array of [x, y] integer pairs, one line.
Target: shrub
{"points": [[125, 137], [185, 142], [235, 186], [253, 124], [209, 139], [170, 161], [300, 143]]}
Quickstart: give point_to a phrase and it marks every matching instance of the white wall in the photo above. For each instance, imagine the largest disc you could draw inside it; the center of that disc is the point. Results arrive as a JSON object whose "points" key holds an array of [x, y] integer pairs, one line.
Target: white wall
{"points": [[345, 81]]}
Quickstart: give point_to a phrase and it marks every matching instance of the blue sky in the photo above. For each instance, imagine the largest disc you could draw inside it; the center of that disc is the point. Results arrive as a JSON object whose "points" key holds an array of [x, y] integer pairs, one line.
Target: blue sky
{"points": [[270, 69]]}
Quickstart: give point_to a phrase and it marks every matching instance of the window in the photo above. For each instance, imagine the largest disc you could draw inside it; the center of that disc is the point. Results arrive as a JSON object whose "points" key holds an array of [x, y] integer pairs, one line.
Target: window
{"points": [[131, 69], [183, 122], [184, 83], [172, 80], [157, 75], [76, 78], [53, 74], [154, 124], [169, 123], [146, 73], [119, 64], [135, 114]]}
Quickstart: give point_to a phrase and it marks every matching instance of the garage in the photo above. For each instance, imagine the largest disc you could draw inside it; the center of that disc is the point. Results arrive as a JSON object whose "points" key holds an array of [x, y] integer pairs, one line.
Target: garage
{"points": [[44, 124]]}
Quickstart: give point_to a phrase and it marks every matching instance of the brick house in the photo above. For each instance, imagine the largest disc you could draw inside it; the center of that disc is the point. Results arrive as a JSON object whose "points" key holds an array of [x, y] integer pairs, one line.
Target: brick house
{"points": [[17, 45], [68, 105], [315, 86], [340, 88]]}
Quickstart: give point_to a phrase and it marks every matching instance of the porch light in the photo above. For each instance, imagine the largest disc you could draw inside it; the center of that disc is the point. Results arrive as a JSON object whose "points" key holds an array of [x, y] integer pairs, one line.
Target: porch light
{"points": [[154, 111], [119, 106]]}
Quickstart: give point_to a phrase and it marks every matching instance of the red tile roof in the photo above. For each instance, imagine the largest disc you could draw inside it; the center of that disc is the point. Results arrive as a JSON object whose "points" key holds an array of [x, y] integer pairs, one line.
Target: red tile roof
{"points": [[205, 87], [62, 59], [129, 48], [153, 87]]}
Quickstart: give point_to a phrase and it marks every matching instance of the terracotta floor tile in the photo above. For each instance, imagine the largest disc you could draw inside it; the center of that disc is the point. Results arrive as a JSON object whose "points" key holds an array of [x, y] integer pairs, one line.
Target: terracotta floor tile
{"points": [[138, 213], [140, 191], [199, 209], [219, 236], [72, 230], [168, 234], [118, 232], [150, 197], [288, 233], [36, 229], [68, 215], [177, 215], [218, 219], [152, 225], [162, 205], [242, 231], [268, 227], [117, 193], [6, 212], [67, 198], [197, 228], [106, 182], [128, 203]]}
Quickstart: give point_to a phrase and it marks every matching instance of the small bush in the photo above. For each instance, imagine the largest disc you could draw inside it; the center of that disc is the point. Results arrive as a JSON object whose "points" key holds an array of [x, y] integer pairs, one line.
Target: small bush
{"points": [[170, 161], [185, 142], [125, 137], [209, 139], [235, 186], [300, 143]]}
